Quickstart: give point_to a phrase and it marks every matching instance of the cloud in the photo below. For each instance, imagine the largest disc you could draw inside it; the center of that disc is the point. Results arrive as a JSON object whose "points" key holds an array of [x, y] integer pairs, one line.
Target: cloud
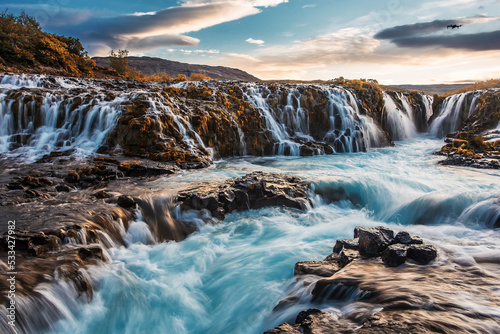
{"points": [[53, 16], [173, 20], [254, 3], [309, 6], [164, 28], [416, 29], [485, 41], [153, 42], [255, 41], [428, 34], [345, 46], [141, 31], [211, 51]]}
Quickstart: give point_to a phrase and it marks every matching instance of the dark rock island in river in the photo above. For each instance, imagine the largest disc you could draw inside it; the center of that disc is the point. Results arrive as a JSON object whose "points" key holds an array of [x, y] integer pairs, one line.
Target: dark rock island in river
{"points": [[389, 284]]}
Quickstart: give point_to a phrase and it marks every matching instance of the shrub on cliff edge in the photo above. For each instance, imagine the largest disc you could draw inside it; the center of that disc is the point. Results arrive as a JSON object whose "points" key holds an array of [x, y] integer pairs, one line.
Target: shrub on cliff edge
{"points": [[23, 45]]}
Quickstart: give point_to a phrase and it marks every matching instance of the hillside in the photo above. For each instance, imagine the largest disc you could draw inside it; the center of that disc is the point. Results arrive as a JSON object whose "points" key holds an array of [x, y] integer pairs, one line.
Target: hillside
{"points": [[151, 65], [438, 89]]}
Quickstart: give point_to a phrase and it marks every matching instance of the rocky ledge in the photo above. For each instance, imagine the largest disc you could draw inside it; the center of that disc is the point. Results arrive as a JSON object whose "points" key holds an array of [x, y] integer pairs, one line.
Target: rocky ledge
{"points": [[381, 282], [470, 150], [252, 191]]}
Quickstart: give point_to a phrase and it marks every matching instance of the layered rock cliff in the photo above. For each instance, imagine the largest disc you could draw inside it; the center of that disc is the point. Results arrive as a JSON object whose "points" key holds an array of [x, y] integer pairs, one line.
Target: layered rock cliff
{"points": [[192, 122], [471, 124]]}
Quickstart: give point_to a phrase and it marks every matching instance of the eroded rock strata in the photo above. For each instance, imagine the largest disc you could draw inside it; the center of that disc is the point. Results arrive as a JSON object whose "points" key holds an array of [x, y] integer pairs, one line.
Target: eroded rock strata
{"points": [[470, 122], [399, 285], [252, 191], [57, 249]]}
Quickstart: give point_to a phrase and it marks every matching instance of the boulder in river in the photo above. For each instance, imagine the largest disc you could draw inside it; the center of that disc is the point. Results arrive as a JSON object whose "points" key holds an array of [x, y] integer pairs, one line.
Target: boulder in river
{"points": [[252, 191], [372, 241]]}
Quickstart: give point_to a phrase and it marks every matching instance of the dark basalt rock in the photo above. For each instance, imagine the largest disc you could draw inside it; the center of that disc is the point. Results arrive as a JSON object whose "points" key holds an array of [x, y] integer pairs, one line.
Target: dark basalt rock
{"points": [[72, 177], [15, 186], [101, 194], [34, 243], [126, 202], [318, 268], [422, 254], [372, 241], [345, 244], [63, 188], [344, 273], [90, 252], [253, 191], [406, 238], [394, 255]]}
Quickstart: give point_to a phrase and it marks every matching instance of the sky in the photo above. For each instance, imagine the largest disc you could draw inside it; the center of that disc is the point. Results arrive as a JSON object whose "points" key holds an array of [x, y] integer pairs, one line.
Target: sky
{"points": [[392, 41]]}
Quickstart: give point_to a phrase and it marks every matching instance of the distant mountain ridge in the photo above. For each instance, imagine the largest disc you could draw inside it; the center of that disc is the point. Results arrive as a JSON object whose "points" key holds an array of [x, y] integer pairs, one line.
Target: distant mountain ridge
{"points": [[152, 65], [438, 89]]}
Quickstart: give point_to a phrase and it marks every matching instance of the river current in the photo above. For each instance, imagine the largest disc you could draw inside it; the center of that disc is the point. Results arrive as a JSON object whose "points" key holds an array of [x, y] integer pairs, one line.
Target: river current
{"points": [[228, 278]]}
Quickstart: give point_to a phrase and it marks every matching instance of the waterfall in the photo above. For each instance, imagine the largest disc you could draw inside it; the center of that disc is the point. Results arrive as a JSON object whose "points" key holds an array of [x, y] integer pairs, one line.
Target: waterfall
{"points": [[33, 125], [453, 112], [347, 129], [52, 113], [398, 120], [158, 105], [275, 120]]}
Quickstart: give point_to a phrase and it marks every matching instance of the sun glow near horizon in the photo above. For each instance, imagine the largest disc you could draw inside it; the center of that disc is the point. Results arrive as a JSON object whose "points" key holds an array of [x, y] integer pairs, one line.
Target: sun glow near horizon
{"points": [[393, 41]]}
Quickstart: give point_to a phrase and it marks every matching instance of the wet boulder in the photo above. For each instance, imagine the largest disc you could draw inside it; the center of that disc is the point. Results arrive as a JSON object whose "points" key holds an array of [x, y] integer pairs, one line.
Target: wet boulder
{"points": [[318, 268], [126, 202], [346, 256], [372, 241], [345, 244], [394, 255], [406, 238], [422, 254]]}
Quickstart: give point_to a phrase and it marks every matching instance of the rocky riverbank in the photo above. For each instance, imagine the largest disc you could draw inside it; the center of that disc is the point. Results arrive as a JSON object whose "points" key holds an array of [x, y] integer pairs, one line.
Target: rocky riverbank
{"points": [[476, 116], [470, 150], [393, 283], [90, 215]]}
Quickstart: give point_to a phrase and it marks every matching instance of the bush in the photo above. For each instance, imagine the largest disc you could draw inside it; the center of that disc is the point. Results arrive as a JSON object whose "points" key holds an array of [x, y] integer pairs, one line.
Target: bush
{"points": [[119, 62], [180, 77], [198, 77], [23, 44]]}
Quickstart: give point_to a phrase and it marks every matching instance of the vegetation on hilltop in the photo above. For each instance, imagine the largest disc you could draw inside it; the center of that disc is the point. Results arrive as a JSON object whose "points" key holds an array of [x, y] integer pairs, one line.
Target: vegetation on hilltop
{"points": [[24, 46], [492, 83], [119, 62]]}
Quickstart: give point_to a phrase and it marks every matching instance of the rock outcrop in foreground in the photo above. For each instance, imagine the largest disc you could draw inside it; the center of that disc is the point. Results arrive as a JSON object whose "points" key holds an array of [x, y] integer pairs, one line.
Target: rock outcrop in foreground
{"points": [[386, 283]]}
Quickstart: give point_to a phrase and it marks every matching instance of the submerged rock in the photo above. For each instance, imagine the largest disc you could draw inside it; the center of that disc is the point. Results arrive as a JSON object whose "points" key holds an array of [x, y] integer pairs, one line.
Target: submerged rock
{"points": [[252, 191]]}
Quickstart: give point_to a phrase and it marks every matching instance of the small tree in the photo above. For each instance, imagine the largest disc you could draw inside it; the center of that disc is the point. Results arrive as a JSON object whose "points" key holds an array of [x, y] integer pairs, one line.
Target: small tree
{"points": [[198, 77], [119, 62], [180, 77]]}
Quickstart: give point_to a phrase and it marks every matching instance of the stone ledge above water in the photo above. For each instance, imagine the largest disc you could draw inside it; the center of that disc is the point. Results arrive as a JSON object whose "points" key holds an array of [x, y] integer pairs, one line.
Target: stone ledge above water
{"points": [[252, 191]]}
